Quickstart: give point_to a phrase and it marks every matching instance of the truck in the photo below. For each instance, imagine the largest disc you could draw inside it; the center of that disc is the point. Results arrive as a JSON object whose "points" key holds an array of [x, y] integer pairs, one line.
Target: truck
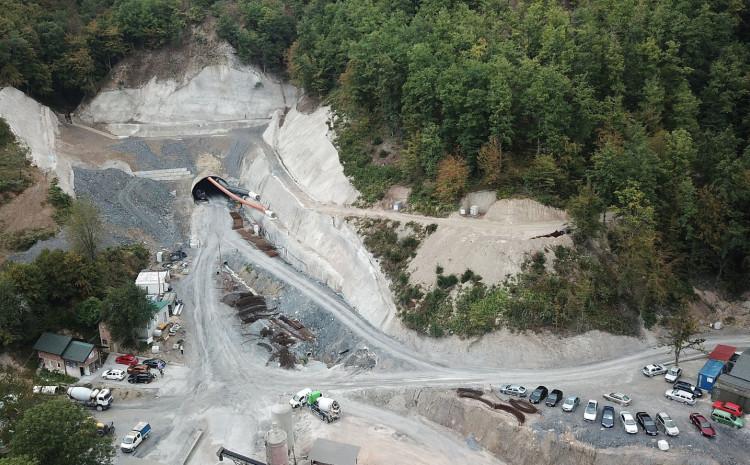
{"points": [[135, 437], [100, 399], [325, 408]]}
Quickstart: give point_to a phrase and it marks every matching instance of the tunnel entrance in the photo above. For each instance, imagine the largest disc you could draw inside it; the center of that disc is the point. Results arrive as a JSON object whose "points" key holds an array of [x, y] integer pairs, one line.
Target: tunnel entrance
{"points": [[203, 189]]}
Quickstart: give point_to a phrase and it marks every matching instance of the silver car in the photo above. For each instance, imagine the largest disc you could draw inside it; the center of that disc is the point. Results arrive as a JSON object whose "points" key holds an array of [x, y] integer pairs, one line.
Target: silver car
{"points": [[570, 404], [618, 398], [513, 390]]}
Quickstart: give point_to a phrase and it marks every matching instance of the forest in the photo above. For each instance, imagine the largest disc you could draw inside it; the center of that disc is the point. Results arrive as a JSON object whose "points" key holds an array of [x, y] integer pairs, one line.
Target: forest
{"points": [[630, 114]]}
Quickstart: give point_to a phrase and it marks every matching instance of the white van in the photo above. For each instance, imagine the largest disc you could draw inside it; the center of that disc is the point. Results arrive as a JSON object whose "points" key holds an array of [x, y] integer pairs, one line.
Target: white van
{"points": [[680, 396]]}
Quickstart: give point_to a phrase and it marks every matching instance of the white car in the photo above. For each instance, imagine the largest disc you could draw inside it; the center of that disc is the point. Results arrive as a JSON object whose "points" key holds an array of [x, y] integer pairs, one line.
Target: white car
{"points": [[665, 422], [592, 409], [117, 375], [673, 374], [680, 396], [299, 399], [628, 422], [653, 370], [618, 398]]}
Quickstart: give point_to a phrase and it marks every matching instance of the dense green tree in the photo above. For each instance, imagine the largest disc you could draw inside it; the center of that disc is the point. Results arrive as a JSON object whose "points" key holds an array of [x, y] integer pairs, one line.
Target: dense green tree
{"points": [[85, 228], [126, 310], [59, 432], [149, 23], [20, 460]]}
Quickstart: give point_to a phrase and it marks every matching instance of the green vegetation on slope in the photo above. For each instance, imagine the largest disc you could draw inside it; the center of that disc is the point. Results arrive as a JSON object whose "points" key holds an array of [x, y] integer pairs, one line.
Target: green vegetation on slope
{"points": [[15, 169], [633, 107], [57, 51]]}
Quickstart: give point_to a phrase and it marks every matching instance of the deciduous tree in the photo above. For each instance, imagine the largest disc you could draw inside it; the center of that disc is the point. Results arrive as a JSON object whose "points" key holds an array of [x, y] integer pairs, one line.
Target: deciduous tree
{"points": [[453, 175], [126, 310]]}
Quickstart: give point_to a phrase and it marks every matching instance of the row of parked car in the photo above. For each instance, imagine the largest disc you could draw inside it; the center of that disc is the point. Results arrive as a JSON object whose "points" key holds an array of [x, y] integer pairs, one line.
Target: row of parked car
{"points": [[136, 372], [723, 412]]}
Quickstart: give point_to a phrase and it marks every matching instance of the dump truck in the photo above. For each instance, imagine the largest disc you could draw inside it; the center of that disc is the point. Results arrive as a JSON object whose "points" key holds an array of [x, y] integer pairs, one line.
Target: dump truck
{"points": [[325, 408], [135, 437], [100, 399]]}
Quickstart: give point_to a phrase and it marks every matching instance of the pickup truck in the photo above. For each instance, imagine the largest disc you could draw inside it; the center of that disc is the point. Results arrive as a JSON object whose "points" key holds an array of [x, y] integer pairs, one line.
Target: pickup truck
{"points": [[135, 437]]}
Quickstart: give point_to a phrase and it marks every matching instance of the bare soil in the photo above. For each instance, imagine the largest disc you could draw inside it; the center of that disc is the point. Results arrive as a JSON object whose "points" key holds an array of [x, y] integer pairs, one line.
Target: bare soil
{"points": [[29, 209]]}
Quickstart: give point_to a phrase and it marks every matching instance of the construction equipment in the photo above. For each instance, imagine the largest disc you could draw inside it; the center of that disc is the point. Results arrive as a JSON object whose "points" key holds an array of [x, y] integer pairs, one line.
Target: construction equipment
{"points": [[103, 429], [236, 458], [100, 399]]}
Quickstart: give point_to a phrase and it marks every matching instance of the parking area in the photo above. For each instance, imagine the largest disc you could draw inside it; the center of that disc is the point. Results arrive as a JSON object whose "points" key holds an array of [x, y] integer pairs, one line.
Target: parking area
{"points": [[729, 446]]}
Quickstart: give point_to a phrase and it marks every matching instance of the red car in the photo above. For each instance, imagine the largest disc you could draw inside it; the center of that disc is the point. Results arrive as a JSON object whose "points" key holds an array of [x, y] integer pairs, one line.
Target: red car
{"points": [[703, 425], [729, 407], [127, 359]]}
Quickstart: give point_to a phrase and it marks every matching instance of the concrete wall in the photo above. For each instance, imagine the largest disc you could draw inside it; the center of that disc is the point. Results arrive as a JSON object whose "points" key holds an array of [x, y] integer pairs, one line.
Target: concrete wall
{"points": [[324, 247]]}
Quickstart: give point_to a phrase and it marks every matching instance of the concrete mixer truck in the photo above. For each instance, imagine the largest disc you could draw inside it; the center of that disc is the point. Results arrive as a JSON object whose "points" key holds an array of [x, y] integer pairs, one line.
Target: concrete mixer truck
{"points": [[325, 408], [100, 399]]}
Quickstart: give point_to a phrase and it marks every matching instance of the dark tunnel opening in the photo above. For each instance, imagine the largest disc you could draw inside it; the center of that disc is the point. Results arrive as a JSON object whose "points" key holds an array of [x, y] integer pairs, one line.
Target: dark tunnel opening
{"points": [[203, 190]]}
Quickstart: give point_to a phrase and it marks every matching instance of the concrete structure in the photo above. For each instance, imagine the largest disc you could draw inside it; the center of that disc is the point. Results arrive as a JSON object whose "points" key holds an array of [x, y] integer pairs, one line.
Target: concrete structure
{"points": [[62, 354], [160, 317], [327, 452], [735, 385], [709, 374], [153, 282]]}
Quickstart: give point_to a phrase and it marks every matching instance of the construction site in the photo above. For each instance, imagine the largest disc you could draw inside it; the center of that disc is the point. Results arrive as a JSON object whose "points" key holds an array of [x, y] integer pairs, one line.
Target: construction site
{"points": [[294, 352]]}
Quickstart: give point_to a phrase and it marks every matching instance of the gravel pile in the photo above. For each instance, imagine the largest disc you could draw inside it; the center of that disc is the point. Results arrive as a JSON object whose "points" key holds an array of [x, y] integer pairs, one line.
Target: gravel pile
{"points": [[129, 203], [173, 154]]}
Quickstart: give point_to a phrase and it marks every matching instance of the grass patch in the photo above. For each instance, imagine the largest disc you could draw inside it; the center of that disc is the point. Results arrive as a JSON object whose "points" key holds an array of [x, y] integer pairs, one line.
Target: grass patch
{"points": [[23, 240], [45, 377], [60, 201]]}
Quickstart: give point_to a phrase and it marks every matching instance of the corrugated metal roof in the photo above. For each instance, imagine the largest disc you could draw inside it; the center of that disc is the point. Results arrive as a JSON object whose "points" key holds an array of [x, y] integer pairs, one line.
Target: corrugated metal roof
{"points": [[712, 368], [742, 367], [78, 351], [333, 453], [52, 343], [722, 352]]}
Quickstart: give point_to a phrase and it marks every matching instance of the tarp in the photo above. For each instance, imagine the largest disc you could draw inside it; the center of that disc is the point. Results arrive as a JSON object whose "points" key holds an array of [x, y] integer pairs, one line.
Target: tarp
{"points": [[722, 352]]}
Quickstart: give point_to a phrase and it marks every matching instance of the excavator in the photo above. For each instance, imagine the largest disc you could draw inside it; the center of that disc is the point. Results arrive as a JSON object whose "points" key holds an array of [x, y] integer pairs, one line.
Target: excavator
{"points": [[232, 195], [236, 458]]}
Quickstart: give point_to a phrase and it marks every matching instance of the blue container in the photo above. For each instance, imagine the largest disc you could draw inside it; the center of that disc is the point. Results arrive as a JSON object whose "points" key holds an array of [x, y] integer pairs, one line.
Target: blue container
{"points": [[709, 374]]}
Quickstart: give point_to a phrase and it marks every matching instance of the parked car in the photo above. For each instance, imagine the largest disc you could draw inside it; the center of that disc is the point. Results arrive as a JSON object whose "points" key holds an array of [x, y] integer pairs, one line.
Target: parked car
{"points": [[174, 328], [156, 363], [553, 398], [665, 422], [726, 418], [139, 378], [571, 403], [704, 427], [628, 422], [608, 416], [680, 396], [539, 394], [685, 386], [618, 398], [654, 369], [591, 410], [673, 374], [127, 359], [729, 407], [647, 423], [114, 374], [513, 390], [135, 369]]}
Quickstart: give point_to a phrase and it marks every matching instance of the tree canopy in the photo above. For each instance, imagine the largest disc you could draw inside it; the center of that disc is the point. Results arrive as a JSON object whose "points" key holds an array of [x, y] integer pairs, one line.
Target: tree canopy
{"points": [[59, 432]]}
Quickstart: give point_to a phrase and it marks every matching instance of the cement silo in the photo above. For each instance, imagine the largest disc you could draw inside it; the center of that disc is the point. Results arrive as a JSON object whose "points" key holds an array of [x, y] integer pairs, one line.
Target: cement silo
{"points": [[277, 449], [281, 414]]}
